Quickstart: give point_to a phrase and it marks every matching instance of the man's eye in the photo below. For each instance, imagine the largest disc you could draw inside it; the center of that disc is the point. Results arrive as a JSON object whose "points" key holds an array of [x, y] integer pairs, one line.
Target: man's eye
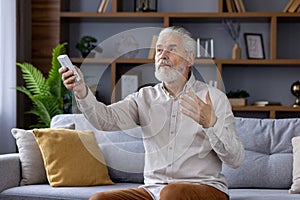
{"points": [[159, 50]]}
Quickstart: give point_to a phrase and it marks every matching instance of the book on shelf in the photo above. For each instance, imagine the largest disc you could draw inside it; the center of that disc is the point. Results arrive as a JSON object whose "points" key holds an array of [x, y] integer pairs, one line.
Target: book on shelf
{"points": [[266, 103], [292, 6], [229, 6], [242, 5], [239, 5], [102, 6], [234, 8], [288, 5]]}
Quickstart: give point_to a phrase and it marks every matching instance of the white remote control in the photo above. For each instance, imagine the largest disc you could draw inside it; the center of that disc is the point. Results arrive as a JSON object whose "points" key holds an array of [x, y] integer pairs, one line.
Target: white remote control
{"points": [[65, 61]]}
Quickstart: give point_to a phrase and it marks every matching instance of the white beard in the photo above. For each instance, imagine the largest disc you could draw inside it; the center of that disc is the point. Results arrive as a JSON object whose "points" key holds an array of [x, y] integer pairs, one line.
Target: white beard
{"points": [[165, 74]]}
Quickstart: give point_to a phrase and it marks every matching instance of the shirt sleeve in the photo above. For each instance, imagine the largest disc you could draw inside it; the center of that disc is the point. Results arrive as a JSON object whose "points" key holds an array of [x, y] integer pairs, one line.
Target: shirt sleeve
{"points": [[117, 116], [223, 137]]}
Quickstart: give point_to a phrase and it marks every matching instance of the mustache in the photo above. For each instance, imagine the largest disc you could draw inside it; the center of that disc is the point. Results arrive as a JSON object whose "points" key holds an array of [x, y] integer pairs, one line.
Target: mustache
{"points": [[165, 62]]}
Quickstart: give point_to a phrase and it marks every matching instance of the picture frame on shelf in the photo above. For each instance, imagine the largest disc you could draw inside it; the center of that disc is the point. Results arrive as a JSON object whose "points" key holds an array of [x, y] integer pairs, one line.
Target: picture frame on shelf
{"points": [[151, 53], [129, 83], [145, 5], [254, 45]]}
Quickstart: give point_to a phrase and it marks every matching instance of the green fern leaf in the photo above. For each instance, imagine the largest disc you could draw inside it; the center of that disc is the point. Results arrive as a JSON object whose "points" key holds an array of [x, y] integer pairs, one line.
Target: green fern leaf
{"points": [[34, 79], [47, 95], [45, 108], [24, 90], [40, 109], [54, 78]]}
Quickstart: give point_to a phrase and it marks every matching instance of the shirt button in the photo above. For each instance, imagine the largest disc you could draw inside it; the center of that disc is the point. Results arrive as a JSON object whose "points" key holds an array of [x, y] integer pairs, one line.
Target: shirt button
{"points": [[173, 116], [170, 148], [172, 132]]}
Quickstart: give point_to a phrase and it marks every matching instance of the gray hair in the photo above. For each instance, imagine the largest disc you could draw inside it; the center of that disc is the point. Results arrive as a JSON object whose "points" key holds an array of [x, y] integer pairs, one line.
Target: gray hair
{"points": [[189, 42]]}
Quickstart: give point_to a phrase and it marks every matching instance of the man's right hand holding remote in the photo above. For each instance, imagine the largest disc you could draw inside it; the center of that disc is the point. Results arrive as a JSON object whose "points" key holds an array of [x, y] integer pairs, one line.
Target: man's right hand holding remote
{"points": [[69, 80]]}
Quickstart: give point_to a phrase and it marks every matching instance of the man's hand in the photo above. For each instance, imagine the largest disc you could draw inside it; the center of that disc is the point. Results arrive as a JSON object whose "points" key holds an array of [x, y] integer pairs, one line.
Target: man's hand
{"points": [[69, 80], [203, 113]]}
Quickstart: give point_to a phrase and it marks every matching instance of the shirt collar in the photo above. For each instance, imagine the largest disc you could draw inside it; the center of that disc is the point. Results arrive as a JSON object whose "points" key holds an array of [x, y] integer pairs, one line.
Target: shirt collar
{"points": [[188, 85]]}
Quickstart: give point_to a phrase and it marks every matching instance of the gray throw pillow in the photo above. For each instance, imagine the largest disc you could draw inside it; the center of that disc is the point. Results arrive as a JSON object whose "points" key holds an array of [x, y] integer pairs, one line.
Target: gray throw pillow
{"points": [[32, 165]]}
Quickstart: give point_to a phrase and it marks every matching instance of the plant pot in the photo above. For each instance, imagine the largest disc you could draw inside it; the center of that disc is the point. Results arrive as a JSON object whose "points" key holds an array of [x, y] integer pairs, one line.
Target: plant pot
{"points": [[238, 101], [236, 52]]}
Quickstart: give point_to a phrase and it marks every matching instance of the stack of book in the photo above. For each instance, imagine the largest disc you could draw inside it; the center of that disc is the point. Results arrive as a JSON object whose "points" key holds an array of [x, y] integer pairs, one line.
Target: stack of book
{"points": [[266, 103], [292, 6], [235, 6]]}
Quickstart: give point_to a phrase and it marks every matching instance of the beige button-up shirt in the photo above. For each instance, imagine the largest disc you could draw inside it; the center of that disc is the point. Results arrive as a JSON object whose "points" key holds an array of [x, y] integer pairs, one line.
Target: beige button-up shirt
{"points": [[177, 149]]}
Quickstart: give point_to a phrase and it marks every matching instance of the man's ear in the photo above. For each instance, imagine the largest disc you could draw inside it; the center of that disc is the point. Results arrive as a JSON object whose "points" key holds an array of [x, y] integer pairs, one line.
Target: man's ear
{"points": [[191, 59]]}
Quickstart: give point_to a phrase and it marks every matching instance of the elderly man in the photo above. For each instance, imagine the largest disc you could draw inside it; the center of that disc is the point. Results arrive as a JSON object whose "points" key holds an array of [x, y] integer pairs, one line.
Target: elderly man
{"points": [[188, 127]]}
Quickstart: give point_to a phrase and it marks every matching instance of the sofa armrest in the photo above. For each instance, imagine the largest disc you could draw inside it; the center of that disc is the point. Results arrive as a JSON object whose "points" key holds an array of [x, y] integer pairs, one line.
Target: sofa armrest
{"points": [[10, 172]]}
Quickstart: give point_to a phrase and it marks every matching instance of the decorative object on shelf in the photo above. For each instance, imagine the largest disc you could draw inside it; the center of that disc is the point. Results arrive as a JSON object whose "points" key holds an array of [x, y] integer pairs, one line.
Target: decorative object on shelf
{"points": [[48, 95], [234, 28], [86, 45], [238, 97], [213, 83], [145, 5], [236, 52], [254, 45], [205, 48], [296, 92]]}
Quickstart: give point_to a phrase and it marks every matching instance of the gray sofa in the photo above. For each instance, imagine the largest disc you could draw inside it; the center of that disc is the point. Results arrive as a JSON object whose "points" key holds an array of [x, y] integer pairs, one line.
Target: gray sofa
{"points": [[266, 173]]}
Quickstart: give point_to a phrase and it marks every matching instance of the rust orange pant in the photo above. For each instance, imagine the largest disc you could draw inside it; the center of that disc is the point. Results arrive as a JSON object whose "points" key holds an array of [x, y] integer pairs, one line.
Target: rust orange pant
{"points": [[174, 191]]}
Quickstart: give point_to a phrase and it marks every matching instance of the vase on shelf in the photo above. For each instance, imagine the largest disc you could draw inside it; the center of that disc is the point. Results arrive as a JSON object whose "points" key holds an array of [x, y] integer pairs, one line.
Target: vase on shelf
{"points": [[236, 52], [296, 92]]}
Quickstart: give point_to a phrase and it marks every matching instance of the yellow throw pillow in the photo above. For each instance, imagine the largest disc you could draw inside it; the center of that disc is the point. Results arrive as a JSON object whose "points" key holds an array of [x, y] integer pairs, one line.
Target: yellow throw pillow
{"points": [[71, 157]]}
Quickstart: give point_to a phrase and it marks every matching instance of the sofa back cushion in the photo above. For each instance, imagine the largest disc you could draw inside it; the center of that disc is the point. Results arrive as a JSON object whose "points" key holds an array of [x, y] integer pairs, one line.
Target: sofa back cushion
{"points": [[268, 153], [267, 142]]}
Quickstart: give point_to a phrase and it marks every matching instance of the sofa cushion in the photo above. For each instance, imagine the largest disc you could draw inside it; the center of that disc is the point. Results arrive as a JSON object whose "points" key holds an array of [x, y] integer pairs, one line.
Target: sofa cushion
{"points": [[261, 194], [46, 192], [295, 188], [268, 153], [123, 150], [125, 160], [71, 158], [32, 165]]}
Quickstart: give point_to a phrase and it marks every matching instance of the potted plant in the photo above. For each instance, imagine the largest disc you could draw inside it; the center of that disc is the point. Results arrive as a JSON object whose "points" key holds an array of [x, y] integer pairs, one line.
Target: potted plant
{"points": [[48, 95], [238, 97], [85, 46]]}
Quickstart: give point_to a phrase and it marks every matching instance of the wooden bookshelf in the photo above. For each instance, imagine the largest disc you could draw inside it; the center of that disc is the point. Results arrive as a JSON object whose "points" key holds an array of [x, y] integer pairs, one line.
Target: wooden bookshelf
{"points": [[273, 110], [64, 17]]}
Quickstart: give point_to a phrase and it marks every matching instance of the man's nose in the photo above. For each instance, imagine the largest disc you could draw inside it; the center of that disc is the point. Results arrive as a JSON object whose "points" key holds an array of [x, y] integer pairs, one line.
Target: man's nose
{"points": [[164, 54]]}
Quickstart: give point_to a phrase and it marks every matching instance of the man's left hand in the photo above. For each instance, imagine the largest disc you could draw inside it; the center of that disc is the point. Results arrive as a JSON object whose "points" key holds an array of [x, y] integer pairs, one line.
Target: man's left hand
{"points": [[203, 113]]}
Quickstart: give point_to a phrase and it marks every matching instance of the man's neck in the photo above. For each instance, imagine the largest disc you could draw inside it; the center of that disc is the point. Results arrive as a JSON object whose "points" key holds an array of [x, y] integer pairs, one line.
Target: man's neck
{"points": [[175, 87]]}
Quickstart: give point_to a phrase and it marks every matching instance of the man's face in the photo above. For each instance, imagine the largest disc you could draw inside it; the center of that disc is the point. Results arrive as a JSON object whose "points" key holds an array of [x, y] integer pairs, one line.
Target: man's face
{"points": [[170, 58]]}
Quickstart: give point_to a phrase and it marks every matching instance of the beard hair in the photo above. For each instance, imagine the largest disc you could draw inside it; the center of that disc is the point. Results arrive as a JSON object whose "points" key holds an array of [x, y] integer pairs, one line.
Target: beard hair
{"points": [[166, 75]]}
